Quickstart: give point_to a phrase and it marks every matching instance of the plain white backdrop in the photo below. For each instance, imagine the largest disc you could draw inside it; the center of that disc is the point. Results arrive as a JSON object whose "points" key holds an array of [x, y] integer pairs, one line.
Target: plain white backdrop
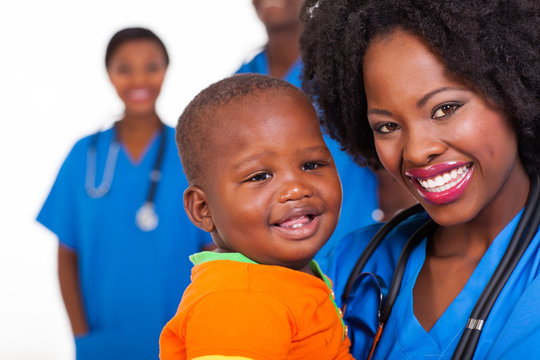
{"points": [[53, 90]]}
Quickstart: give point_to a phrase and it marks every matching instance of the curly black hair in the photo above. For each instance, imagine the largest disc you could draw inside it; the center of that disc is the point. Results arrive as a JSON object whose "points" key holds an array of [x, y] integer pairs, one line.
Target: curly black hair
{"points": [[201, 116], [493, 44]]}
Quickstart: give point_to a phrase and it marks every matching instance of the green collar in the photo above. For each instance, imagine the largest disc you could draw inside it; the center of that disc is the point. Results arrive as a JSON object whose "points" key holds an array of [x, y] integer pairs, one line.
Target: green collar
{"points": [[206, 256]]}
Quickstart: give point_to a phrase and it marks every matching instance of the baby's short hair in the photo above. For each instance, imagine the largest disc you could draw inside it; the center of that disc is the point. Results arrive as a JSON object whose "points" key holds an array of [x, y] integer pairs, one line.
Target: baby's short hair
{"points": [[203, 112]]}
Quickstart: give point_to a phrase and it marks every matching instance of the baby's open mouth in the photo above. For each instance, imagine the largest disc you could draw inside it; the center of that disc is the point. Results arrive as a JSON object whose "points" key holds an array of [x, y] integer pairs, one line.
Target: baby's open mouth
{"points": [[296, 222]]}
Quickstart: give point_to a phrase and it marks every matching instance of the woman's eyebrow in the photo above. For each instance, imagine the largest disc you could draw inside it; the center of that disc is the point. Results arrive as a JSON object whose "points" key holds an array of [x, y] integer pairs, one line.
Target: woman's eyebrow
{"points": [[426, 97], [379, 112]]}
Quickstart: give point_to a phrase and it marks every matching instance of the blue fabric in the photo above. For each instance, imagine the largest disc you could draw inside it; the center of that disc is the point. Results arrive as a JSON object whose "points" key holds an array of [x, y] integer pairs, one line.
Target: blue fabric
{"points": [[359, 183], [132, 281], [511, 331]]}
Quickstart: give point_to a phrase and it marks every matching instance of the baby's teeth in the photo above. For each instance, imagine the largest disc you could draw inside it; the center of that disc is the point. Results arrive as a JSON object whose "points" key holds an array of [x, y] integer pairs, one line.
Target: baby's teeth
{"points": [[296, 226]]}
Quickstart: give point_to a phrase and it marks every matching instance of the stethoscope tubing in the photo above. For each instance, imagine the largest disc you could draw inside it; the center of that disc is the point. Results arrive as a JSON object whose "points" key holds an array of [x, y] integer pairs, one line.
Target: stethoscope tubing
{"points": [[146, 217], [427, 228], [528, 224], [372, 246], [155, 175], [525, 231]]}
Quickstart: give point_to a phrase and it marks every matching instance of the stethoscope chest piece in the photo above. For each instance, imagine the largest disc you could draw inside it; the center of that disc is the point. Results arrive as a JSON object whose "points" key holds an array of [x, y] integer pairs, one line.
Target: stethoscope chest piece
{"points": [[146, 217]]}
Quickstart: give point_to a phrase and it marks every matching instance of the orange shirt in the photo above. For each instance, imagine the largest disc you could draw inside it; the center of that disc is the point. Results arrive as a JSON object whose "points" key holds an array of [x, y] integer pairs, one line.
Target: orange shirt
{"points": [[235, 307]]}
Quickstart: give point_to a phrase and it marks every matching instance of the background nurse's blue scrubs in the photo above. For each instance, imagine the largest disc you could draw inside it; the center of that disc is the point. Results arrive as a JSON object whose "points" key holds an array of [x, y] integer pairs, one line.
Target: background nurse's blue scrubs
{"points": [[122, 281]]}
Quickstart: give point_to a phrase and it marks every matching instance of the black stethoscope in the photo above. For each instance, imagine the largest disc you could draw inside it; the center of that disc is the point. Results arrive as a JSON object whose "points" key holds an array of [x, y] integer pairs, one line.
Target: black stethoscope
{"points": [[524, 233], [146, 217]]}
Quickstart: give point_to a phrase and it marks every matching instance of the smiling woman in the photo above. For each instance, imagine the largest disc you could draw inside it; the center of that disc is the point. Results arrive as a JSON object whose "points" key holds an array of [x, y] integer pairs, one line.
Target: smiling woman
{"points": [[443, 124], [121, 262], [445, 96]]}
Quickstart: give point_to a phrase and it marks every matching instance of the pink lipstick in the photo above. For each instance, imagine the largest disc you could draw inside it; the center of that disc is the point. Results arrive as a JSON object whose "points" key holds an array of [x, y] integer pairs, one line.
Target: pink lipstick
{"points": [[441, 183]]}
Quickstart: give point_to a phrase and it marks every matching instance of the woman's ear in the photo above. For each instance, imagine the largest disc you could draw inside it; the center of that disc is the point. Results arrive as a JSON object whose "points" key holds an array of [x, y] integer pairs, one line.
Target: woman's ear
{"points": [[197, 208]]}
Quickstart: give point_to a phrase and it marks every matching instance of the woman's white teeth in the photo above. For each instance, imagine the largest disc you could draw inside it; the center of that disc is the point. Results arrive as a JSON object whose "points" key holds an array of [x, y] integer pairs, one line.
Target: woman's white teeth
{"points": [[296, 226], [444, 181]]}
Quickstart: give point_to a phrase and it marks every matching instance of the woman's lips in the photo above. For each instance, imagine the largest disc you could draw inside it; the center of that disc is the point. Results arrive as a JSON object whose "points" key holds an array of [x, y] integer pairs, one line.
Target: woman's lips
{"points": [[441, 183]]}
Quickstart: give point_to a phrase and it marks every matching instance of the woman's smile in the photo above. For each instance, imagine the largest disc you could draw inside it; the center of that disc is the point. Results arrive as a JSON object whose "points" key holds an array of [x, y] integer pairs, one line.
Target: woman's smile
{"points": [[441, 183]]}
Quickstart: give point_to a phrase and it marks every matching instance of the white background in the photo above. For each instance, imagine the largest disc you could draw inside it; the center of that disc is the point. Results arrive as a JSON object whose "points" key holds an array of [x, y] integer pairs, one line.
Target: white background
{"points": [[53, 90]]}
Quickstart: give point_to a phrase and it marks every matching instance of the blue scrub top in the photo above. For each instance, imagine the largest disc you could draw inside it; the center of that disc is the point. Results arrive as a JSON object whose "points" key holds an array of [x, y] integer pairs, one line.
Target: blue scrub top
{"points": [[511, 331], [131, 281], [359, 183]]}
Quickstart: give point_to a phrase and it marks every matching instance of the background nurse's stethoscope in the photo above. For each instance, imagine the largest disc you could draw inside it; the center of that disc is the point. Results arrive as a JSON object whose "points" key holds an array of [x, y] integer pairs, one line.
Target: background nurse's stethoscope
{"points": [[146, 217], [525, 231]]}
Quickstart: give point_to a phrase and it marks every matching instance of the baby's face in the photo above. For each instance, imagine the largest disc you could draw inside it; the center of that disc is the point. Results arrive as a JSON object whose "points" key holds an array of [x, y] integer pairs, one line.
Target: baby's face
{"points": [[273, 191]]}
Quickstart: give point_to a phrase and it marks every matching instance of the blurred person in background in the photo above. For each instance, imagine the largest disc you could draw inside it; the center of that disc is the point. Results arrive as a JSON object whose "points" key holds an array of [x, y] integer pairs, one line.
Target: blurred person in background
{"points": [[368, 196], [116, 208]]}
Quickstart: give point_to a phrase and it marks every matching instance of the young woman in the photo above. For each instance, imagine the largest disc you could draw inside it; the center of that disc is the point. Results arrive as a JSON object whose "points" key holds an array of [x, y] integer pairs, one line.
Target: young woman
{"points": [[444, 95], [116, 207]]}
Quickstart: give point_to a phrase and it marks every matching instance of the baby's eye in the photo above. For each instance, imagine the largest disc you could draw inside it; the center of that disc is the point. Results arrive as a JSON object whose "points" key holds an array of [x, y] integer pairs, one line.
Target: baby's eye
{"points": [[311, 166], [386, 127], [445, 110], [259, 177]]}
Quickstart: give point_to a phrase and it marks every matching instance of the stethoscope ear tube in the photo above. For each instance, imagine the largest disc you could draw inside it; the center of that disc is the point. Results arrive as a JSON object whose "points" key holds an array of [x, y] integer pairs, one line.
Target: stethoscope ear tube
{"points": [[372, 246], [426, 229], [528, 224]]}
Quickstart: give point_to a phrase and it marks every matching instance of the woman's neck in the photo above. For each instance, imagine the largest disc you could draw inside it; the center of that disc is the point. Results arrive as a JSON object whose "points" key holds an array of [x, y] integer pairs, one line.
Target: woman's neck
{"points": [[282, 50], [135, 132], [473, 238]]}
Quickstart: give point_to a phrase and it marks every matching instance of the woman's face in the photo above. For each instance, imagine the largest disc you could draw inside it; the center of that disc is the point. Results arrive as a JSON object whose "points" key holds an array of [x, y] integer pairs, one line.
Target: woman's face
{"points": [[278, 14], [452, 148], [137, 70]]}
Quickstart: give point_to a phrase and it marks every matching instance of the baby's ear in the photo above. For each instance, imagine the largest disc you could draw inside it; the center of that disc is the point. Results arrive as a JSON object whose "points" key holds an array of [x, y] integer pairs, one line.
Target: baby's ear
{"points": [[197, 208]]}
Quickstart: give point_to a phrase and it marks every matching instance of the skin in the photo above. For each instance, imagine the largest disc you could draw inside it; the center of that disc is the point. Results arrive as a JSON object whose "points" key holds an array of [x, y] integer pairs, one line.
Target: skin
{"points": [[136, 70], [422, 117], [280, 19], [282, 24], [267, 179], [68, 276]]}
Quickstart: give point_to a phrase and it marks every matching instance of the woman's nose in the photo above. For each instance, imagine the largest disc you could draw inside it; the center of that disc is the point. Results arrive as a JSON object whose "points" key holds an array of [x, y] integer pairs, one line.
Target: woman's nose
{"points": [[294, 190], [422, 146]]}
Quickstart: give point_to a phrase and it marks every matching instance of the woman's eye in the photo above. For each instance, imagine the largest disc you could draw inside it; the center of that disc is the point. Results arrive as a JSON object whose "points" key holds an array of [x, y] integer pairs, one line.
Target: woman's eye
{"points": [[386, 128], [123, 69], [445, 110], [152, 67], [311, 166], [259, 177]]}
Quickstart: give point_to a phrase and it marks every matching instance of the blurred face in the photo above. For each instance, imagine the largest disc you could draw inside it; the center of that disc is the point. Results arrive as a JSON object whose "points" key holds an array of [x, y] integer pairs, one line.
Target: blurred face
{"points": [[276, 14], [274, 193], [137, 70], [453, 149]]}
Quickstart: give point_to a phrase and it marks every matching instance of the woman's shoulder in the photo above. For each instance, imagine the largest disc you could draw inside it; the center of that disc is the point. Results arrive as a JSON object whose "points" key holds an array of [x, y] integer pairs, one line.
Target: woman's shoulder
{"points": [[92, 139]]}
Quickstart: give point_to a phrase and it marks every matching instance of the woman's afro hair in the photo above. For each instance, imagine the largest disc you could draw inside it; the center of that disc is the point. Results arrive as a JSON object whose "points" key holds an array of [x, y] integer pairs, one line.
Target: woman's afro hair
{"points": [[493, 44]]}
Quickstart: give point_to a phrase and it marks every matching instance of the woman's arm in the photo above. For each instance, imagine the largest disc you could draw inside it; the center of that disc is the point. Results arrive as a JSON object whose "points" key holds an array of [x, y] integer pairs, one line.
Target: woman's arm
{"points": [[68, 275]]}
